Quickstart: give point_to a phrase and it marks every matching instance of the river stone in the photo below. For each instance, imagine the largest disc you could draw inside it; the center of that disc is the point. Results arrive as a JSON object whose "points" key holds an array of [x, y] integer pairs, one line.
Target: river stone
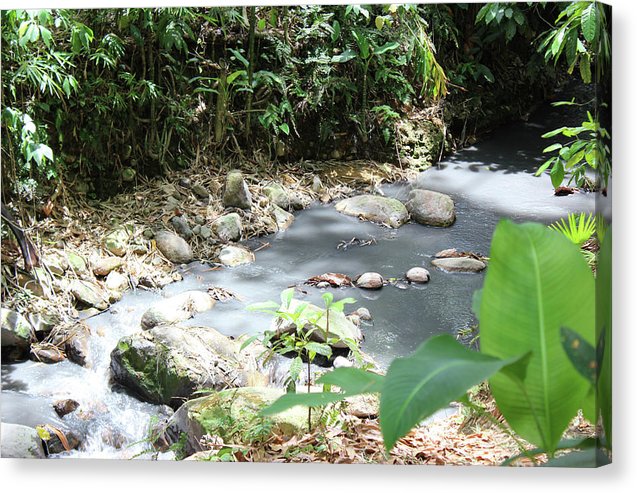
{"points": [[228, 227], [116, 281], [232, 255], [299, 201], [45, 352], [173, 247], [362, 313], [205, 232], [370, 280], [181, 227], [88, 294], [20, 442], [342, 362], [74, 340], [236, 193], [56, 262], [278, 195], [375, 208], [16, 331], [200, 191], [340, 326], [65, 406], [77, 263], [102, 266], [459, 264], [212, 414], [169, 363], [282, 218], [177, 308], [116, 241], [317, 184], [417, 275], [431, 208]]}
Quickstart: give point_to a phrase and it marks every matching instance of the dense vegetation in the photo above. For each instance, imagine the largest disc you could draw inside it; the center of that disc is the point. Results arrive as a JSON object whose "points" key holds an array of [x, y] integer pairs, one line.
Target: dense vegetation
{"points": [[108, 95]]}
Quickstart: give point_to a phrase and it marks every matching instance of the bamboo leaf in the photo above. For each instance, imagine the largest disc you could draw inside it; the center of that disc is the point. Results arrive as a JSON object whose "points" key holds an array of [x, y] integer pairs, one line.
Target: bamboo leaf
{"points": [[589, 22]]}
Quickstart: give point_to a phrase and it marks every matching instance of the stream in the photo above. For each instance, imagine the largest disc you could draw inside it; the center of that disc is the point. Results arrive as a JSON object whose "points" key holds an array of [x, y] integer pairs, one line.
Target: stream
{"points": [[488, 181]]}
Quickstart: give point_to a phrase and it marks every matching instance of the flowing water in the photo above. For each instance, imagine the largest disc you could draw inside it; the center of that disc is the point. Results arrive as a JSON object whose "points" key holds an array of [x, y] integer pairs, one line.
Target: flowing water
{"points": [[489, 181]]}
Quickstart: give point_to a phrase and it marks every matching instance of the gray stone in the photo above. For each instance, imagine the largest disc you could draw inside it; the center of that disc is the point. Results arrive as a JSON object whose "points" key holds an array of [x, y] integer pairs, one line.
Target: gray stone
{"points": [[16, 332], [317, 185], [278, 195], [88, 294], [168, 364], [228, 227], [383, 210], [431, 208], [299, 201], [362, 313], [282, 218], [65, 406], [417, 275], [116, 281], [200, 220], [173, 247], [363, 406], [116, 241], [205, 232], [200, 191], [232, 255], [459, 264], [185, 182], [181, 227], [102, 266], [370, 280], [20, 442], [342, 362], [196, 229], [74, 340], [77, 263], [236, 193], [148, 233], [177, 308]]}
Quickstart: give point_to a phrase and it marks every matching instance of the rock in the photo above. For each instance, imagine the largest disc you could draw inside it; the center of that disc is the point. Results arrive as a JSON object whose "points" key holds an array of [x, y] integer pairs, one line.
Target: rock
{"points": [[74, 339], [205, 232], [173, 247], [185, 182], [459, 264], [236, 193], [363, 406], [55, 445], [43, 323], [210, 415], [88, 294], [148, 233], [340, 326], [282, 218], [116, 241], [20, 442], [77, 263], [56, 262], [362, 313], [370, 280], [299, 201], [431, 208], [449, 252], [33, 283], [342, 362], [197, 229], [65, 406], [200, 220], [46, 353], [116, 281], [278, 195], [16, 333], [317, 185], [383, 210], [177, 308], [167, 364], [232, 255], [228, 227], [200, 191], [417, 275], [104, 265], [181, 227]]}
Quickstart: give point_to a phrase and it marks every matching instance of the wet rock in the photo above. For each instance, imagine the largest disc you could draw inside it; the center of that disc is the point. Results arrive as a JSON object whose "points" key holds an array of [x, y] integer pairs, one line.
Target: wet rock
{"points": [[370, 280], [236, 193], [362, 313], [16, 333], [181, 227], [383, 210], [459, 264], [88, 294], [173, 247], [228, 227], [88, 313], [35, 284], [447, 253], [43, 323], [232, 255], [417, 275], [116, 241], [277, 195], [65, 406], [167, 364], [208, 415], [177, 308], [104, 265], [282, 218], [116, 281], [200, 191], [46, 353], [20, 442], [431, 208], [74, 340], [60, 440]]}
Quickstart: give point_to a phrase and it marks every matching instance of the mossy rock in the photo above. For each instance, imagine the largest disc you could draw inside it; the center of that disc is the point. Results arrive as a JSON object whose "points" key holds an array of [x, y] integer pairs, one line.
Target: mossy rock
{"points": [[383, 210], [236, 193]]}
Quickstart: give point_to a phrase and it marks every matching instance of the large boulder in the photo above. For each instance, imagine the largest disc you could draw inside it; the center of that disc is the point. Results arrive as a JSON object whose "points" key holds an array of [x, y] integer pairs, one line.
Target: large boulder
{"points": [[168, 364], [229, 413], [431, 208], [177, 308], [233, 255], [459, 264], [20, 442], [383, 210], [16, 333], [236, 193], [228, 227], [173, 247], [340, 327]]}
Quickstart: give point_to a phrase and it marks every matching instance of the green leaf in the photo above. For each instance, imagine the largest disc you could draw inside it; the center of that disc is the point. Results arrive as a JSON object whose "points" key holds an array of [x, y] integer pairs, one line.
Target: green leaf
{"points": [[231, 78], [261, 24], [604, 323], [552, 148], [267, 306], [319, 348], [240, 57], [557, 174], [585, 68], [313, 399], [344, 57], [353, 381], [336, 31], [537, 282], [285, 128], [386, 47], [438, 372], [581, 353], [589, 22], [286, 297], [380, 22], [553, 133]]}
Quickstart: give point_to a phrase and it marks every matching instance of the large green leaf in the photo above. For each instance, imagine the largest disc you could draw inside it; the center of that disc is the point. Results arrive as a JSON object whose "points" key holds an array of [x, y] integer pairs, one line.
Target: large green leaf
{"points": [[537, 283], [604, 322], [438, 372], [589, 22]]}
